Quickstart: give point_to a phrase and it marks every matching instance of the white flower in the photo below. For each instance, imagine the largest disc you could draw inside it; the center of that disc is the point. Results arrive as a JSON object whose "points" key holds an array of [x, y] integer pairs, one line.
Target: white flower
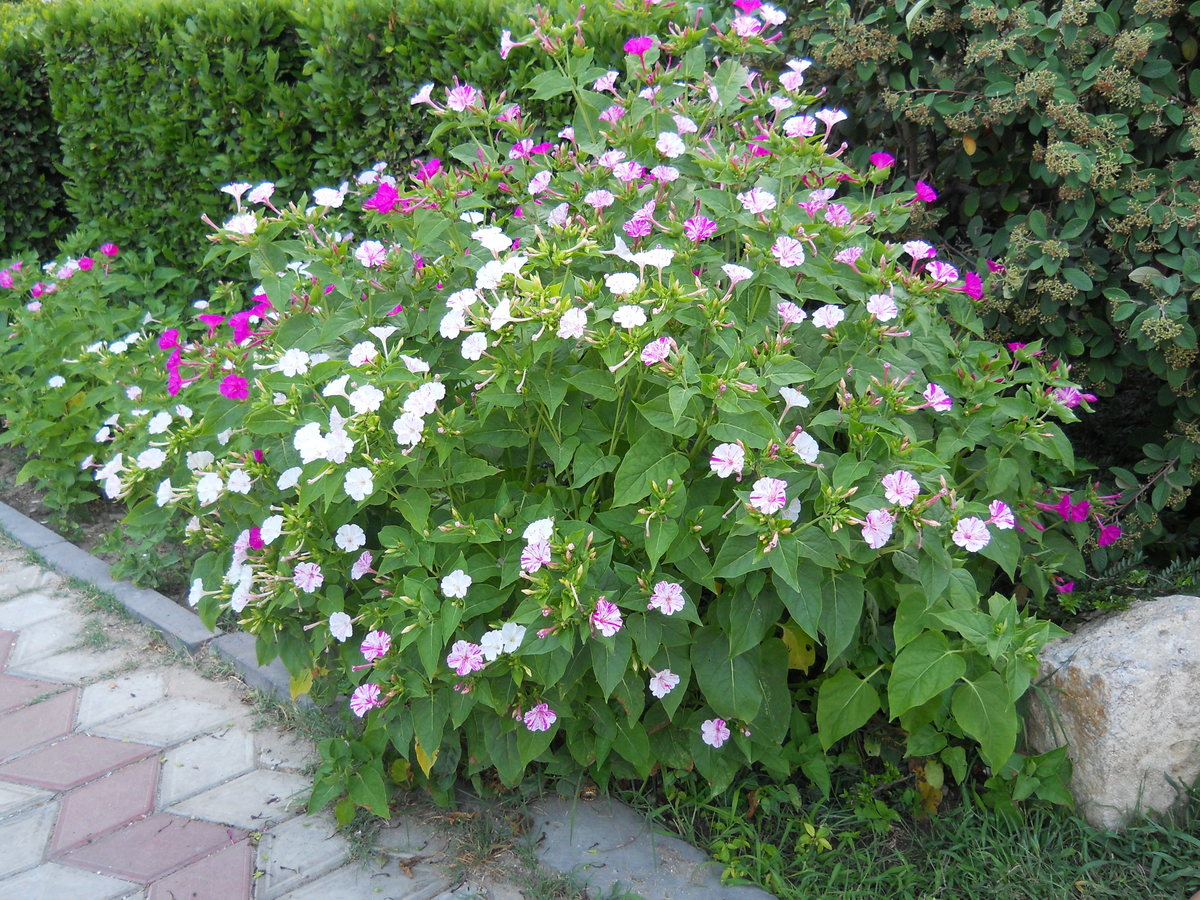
{"points": [[452, 324], [622, 283], [538, 531], [806, 448], [365, 399], [159, 423], [272, 527], [473, 346], [151, 459], [262, 193], [329, 197], [629, 316], [670, 144], [359, 483], [196, 592], [492, 645], [472, 217], [350, 537], [208, 488], [456, 583], [310, 443], [338, 445], [362, 353], [828, 316], [57, 381], [659, 258], [246, 223], [572, 324], [414, 365], [340, 626], [793, 397], [408, 429], [289, 479], [511, 635], [239, 482], [882, 307], [293, 362], [501, 314], [493, 239], [336, 388], [736, 274], [165, 493]]}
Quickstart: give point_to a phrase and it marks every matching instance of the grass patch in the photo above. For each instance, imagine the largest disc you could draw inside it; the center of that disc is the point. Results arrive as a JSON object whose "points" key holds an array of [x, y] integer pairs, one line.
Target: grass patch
{"points": [[797, 848]]}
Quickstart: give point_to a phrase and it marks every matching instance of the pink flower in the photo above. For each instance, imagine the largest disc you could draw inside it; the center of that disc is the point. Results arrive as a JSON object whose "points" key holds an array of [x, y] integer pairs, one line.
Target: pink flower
{"points": [[882, 160], [1001, 516], [925, 193], [838, 215], [169, 339], [900, 487], [465, 658], [6, 279], [714, 732], [110, 249], [308, 577], [362, 565], [85, 264], [1071, 397], [828, 317], [790, 313], [606, 617], [540, 718], [942, 272], [462, 97], [667, 598], [639, 46], [973, 286], [756, 201], [657, 350], [727, 459], [365, 698], [699, 228], [849, 256], [971, 534], [534, 556], [938, 399], [663, 683], [428, 169], [235, 387], [375, 645], [1063, 587], [1070, 512], [877, 530], [882, 307], [788, 252], [1109, 534], [769, 495]]}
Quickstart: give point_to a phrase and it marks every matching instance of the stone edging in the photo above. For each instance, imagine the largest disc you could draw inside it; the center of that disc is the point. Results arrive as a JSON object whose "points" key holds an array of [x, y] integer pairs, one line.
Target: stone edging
{"points": [[181, 627]]}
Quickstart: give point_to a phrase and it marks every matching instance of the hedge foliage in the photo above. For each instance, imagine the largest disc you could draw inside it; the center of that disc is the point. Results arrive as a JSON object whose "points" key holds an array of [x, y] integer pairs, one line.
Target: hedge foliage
{"points": [[32, 215], [1064, 141]]}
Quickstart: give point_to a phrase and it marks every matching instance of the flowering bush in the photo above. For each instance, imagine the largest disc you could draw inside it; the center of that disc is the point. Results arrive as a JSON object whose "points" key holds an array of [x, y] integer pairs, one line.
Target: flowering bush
{"points": [[626, 446]]}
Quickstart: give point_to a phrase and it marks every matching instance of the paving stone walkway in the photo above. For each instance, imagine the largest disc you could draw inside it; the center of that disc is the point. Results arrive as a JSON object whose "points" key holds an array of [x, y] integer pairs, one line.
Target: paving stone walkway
{"points": [[126, 773]]}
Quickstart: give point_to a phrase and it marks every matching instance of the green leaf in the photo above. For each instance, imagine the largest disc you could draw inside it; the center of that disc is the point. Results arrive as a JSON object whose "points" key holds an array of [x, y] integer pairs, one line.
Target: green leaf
{"points": [[844, 703], [649, 459], [922, 670], [805, 601], [739, 554], [662, 534], [985, 712], [729, 683], [549, 84], [841, 608], [610, 659], [367, 789]]}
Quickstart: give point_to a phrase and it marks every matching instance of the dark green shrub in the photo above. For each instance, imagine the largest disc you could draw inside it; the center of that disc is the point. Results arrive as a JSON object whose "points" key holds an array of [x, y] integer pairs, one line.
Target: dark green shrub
{"points": [[1064, 143], [32, 214], [159, 104]]}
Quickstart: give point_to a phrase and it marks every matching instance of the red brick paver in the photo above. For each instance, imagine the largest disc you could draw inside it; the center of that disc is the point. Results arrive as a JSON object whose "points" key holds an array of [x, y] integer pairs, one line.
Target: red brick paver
{"points": [[226, 874], [152, 847], [37, 724], [73, 761], [105, 804], [16, 692], [7, 639]]}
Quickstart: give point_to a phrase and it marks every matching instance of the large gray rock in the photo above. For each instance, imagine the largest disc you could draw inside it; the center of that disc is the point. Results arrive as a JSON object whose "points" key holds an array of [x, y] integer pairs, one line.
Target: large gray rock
{"points": [[1123, 693]]}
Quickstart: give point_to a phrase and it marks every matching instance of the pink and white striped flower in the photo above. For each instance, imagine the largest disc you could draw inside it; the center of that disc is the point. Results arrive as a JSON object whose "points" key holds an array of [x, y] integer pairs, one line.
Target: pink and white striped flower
{"points": [[540, 718], [727, 459], [900, 487], [714, 732], [606, 617], [667, 598], [663, 683], [376, 645], [769, 495], [971, 534], [465, 658], [365, 698], [877, 529]]}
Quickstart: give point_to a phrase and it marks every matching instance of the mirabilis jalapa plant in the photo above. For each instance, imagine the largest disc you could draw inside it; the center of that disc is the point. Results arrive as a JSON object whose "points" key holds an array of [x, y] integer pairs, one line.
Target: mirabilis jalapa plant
{"points": [[627, 447]]}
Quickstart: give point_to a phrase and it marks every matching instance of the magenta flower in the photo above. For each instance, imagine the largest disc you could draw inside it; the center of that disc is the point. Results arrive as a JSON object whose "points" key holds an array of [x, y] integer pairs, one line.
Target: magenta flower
{"points": [[1070, 512], [365, 698], [607, 618], [714, 732], [540, 718], [699, 228], [877, 529], [747, 6], [973, 286], [6, 279], [307, 576], [925, 193], [376, 645], [971, 534], [86, 263], [900, 487], [1109, 534], [465, 658], [384, 200], [639, 46], [667, 598], [768, 495], [882, 160], [169, 339], [110, 249], [428, 169], [235, 387]]}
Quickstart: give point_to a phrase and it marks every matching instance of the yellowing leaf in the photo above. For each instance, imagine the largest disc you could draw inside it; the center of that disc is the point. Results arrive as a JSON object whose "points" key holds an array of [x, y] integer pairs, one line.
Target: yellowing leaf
{"points": [[931, 797], [301, 684], [968, 144], [802, 649], [424, 760]]}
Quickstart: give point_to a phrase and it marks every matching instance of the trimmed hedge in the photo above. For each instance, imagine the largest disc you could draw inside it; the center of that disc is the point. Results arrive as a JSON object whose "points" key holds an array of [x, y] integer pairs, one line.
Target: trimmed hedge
{"points": [[159, 104], [1064, 144], [32, 216]]}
